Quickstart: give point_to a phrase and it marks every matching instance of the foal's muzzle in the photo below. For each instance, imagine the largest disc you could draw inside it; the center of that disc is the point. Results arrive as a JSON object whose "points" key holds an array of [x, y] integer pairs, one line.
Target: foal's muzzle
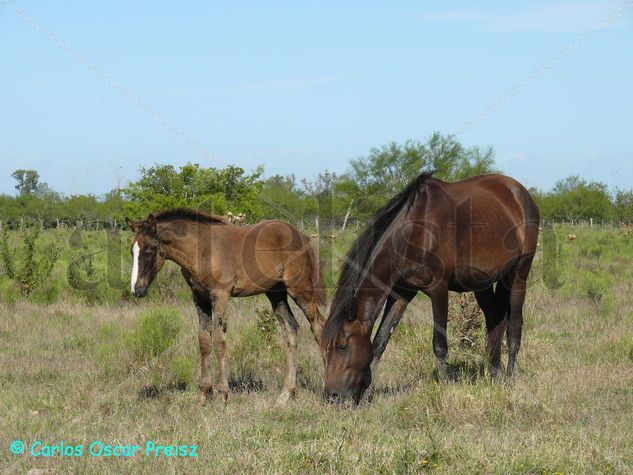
{"points": [[142, 292]]}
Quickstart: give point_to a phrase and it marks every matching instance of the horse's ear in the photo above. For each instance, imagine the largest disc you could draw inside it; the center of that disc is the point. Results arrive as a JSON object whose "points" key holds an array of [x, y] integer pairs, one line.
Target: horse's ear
{"points": [[151, 222], [133, 225]]}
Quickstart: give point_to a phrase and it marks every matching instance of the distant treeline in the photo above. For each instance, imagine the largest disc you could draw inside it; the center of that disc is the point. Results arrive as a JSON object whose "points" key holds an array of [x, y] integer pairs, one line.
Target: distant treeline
{"points": [[369, 182]]}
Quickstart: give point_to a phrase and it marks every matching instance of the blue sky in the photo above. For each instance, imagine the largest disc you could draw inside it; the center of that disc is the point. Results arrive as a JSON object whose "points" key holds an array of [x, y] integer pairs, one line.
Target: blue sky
{"points": [[304, 86]]}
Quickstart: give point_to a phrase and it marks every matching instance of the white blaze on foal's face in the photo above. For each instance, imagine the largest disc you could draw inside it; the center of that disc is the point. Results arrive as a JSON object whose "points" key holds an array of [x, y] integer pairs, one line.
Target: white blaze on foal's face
{"points": [[136, 250]]}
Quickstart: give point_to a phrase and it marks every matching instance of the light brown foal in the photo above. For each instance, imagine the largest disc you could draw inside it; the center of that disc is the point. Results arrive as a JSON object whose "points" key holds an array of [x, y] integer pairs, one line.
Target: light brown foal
{"points": [[219, 261]]}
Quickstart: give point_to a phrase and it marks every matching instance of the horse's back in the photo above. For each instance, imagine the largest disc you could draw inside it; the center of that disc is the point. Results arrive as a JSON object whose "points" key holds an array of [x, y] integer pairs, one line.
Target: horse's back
{"points": [[497, 201], [276, 235], [258, 257], [488, 222]]}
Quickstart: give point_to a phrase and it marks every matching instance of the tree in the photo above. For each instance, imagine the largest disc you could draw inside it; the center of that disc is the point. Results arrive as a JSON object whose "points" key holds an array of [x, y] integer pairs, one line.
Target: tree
{"points": [[623, 205], [576, 198], [374, 179], [217, 190], [284, 199], [28, 181]]}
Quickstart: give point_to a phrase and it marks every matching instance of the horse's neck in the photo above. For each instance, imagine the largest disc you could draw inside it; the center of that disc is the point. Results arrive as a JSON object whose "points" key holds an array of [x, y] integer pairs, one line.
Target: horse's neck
{"points": [[374, 288]]}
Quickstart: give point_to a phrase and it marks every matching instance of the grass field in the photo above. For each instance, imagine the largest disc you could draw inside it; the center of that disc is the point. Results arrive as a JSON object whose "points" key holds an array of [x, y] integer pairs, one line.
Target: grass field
{"points": [[78, 370]]}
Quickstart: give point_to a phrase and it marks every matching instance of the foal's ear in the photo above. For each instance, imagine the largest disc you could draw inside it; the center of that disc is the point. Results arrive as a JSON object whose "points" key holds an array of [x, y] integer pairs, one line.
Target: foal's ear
{"points": [[133, 225], [151, 223]]}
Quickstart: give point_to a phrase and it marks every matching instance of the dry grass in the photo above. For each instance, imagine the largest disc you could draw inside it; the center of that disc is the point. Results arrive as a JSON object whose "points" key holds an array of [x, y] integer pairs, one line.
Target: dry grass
{"points": [[570, 409]]}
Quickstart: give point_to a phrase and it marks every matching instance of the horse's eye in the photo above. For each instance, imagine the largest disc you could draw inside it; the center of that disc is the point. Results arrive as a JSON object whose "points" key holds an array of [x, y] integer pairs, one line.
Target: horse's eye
{"points": [[148, 252], [342, 346]]}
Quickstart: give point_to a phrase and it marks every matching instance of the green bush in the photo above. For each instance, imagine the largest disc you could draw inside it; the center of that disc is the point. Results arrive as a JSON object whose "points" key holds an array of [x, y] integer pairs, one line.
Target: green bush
{"points": [[182, 370], [31, 267], [150, 344], [598, 288], [267, 324], [9, 291], [156, 332]]}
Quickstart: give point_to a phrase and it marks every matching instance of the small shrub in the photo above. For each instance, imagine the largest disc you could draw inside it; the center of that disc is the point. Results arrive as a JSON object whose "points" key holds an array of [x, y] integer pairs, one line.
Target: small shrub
{"points": [[36, 264], [113, 351], [146, 345], [255, 351], [82, 272], [181, 370], [267, 324], [465, 319], [598, 289], [9, 291], [156, 332], [49, 293]]}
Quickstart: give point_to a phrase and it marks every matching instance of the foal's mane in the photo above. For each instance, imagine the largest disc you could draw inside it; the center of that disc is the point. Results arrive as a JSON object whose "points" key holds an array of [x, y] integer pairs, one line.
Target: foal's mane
{"points": [[190, 215], [359, 256]]}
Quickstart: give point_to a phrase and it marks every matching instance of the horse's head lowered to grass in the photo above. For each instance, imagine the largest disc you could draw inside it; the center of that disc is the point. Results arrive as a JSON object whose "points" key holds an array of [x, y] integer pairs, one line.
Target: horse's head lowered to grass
{"points": [[478, 235], [147, 259]]}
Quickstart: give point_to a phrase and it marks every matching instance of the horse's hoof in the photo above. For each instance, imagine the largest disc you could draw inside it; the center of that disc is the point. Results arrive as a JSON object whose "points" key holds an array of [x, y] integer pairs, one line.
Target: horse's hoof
{"points": [[442, 378], [442, 370], [496, 373]]}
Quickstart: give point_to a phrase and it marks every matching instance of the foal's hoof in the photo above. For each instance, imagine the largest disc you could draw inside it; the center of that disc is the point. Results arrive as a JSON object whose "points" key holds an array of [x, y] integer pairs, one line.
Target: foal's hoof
{"points": [[204, 396], [223, 395], [284, 397]]}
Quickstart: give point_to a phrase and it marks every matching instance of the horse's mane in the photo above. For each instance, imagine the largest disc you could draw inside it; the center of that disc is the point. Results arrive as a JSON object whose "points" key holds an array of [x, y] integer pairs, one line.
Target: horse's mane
{"points": [[359, 256], [191, 215]]}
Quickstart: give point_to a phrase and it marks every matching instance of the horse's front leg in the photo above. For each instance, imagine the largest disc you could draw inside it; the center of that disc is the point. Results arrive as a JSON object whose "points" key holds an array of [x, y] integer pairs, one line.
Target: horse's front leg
{"points": [[394, 309], [220, 305], [205, 382], [439, 302]]}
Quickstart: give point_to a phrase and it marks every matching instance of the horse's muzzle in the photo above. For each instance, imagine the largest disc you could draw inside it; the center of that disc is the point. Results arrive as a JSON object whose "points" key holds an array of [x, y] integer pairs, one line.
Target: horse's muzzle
{"points": [[342, 398]]}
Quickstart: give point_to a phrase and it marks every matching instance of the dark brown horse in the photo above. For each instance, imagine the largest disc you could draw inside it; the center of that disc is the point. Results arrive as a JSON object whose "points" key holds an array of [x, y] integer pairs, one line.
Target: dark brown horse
{"points": [[475, 235], [220, 260]]}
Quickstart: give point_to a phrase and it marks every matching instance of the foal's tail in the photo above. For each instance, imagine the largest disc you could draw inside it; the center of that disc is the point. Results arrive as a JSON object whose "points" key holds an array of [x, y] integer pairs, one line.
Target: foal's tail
{"points": [[316, 278]]}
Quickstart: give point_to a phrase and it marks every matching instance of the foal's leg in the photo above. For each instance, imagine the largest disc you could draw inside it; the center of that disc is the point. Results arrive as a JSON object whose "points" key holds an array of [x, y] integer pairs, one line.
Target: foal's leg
{"points": [[313, 314], [311, 310], [439, 300], [289, 327], [205, 382], [220, 304]]}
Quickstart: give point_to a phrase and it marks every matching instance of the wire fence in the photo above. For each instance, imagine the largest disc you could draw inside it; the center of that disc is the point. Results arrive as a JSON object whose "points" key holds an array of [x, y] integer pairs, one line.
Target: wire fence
{"points": [[318, 224], [307, 224]]}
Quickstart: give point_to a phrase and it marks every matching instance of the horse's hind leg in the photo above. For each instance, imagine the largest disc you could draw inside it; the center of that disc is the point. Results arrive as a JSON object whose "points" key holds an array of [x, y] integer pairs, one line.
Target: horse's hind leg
{"points": [[288, 326], [205, 382], [515, 320], [495, 310]]}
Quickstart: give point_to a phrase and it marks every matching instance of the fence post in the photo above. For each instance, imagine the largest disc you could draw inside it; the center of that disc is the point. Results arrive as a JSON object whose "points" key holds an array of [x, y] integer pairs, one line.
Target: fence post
{"points": [[349, 210]]}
